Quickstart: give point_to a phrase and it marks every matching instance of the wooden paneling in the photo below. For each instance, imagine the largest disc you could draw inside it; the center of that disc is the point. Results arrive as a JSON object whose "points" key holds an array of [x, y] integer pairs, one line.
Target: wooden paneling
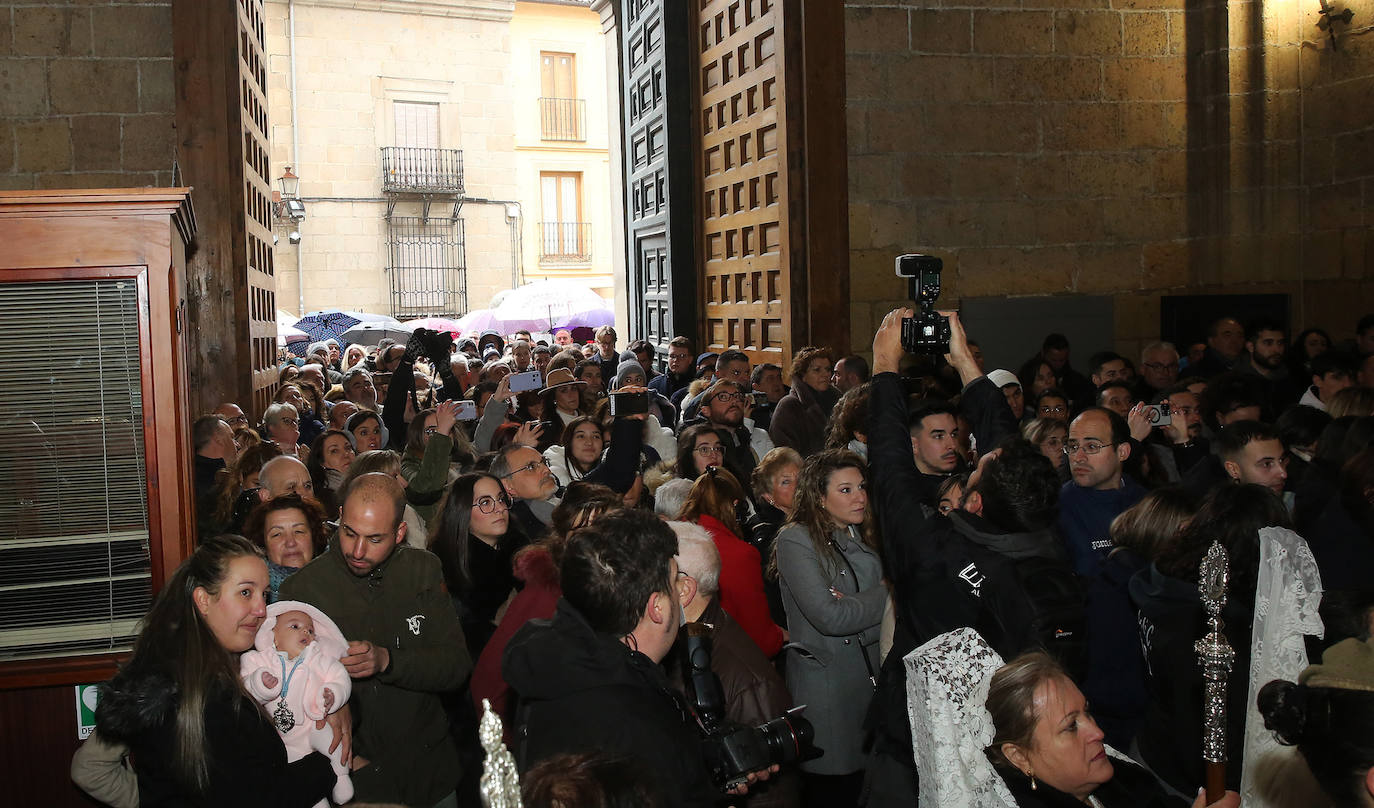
{"points": [[37, 746], [742, 167]]}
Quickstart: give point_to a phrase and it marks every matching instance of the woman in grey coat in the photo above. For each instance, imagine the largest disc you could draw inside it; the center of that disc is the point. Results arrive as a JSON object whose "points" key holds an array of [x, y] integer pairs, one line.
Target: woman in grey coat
{"points": [[834, 596]]}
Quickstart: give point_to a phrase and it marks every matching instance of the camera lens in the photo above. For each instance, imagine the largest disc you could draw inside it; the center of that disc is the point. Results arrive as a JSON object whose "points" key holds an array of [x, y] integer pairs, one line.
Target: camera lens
{"points": [[788, 737]]}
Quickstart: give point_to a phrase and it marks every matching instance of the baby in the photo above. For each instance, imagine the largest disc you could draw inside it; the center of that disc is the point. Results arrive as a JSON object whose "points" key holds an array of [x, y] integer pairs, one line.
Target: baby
{"points": [[295, 663]]}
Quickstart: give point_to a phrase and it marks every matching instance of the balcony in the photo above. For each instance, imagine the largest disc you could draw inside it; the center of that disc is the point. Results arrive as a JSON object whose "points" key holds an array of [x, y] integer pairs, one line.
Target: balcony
{"points": [[411, 170], [565, 242], [563, 119]]}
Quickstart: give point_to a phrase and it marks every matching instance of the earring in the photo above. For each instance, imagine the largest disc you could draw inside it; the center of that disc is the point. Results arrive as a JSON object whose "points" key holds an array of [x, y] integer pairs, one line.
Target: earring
{"points": [[1032, 779]]}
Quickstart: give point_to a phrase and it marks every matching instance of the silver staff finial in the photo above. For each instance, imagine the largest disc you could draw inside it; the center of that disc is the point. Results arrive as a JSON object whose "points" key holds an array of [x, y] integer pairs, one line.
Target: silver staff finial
{"points": [[1216, 657], [500, 783]]}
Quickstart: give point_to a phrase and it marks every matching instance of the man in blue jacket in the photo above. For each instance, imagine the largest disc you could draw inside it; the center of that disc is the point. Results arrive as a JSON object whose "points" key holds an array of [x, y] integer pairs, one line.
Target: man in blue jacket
{"points": [[1099, 444]]}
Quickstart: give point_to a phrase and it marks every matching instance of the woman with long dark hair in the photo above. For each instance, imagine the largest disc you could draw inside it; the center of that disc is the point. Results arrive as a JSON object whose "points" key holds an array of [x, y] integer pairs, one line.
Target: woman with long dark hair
{"points": [[437, 451], [833, 592], [330, 456], [475, 540], [178, 703]]}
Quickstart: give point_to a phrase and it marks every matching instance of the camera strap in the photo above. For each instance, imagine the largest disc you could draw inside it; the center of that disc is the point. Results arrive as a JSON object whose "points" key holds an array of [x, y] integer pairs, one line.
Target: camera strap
{"points": [[858, 640]]}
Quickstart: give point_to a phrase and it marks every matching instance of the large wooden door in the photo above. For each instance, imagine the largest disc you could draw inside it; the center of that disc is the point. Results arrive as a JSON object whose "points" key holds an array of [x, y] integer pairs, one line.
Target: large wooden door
{"points": [[742, 169]]}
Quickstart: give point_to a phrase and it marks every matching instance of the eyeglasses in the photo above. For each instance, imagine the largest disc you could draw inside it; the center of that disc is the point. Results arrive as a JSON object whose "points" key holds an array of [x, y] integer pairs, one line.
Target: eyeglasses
{"points": [[530, 466], [431, 431], [238, 420], [291, 421], [1055, 408], [1092, 447], [489, 504], [1160, 367], [728, 397], [710, 450]]}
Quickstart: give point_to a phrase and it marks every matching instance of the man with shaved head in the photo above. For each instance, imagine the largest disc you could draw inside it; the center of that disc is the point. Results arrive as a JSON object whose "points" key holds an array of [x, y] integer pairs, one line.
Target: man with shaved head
{"points": [[284, 475], [405, 646]]}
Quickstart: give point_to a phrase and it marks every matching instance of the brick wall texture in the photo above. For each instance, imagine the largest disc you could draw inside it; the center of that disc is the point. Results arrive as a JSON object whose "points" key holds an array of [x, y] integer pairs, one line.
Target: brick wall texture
{"points": [[1124, 147], [86, 94]]}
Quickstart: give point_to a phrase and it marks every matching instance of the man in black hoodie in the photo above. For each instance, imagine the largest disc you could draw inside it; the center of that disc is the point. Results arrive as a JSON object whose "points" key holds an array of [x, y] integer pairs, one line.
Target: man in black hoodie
{"points": [[589, 679], [963, 570]]}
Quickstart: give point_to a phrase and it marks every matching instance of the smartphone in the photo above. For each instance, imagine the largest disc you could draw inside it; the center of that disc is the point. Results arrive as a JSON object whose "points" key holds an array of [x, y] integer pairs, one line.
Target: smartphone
{"points": [[629, 404], [760, 399], [524, 382], [465, 410], [1158, 414]]}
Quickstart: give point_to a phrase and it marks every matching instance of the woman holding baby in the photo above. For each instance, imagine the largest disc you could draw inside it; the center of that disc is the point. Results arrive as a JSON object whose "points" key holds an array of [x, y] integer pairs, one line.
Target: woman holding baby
{"points": [[198, 737]]}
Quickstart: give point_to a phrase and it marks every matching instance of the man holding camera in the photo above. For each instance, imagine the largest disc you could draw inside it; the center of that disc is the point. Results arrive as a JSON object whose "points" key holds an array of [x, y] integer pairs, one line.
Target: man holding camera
{"points": [[724, 406], [967, 569], [589, 679]]}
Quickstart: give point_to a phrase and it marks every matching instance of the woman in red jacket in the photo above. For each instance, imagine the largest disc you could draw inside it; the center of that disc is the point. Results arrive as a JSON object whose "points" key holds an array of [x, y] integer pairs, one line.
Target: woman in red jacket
{"points": [[711, 504]]}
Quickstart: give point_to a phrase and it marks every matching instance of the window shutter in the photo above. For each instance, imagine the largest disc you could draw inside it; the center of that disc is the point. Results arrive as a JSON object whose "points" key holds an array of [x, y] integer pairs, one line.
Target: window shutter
{"points": [[75, 575]]}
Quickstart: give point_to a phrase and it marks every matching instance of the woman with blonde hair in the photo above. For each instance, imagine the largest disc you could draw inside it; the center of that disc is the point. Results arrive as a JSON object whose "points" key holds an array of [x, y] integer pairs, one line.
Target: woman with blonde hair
{"points": [[833, 592]]}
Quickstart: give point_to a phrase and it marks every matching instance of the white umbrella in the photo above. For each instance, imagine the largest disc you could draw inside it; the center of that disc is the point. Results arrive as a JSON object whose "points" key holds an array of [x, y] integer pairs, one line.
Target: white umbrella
{"points": [[373, 333], [538, 305]]}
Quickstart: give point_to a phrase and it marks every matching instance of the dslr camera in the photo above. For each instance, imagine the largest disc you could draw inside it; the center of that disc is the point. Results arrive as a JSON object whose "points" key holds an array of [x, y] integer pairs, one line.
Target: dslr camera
{"points": [[733, 750], [928, 331]]}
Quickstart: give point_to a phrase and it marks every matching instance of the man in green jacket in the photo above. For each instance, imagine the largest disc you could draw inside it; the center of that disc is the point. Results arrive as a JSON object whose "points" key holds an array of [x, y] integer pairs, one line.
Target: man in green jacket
{"points": [[405, 647]]}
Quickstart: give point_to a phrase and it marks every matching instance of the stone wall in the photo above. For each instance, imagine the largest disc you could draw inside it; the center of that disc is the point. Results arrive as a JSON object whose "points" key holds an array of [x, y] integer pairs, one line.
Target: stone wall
{"points": [[86, 94], [1123, 147]]}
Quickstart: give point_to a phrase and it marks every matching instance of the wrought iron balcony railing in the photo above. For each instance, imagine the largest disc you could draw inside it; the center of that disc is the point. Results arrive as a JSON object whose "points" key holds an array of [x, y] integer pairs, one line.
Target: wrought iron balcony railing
{"points": [[563, 118], [407, 169], [565, 242]]}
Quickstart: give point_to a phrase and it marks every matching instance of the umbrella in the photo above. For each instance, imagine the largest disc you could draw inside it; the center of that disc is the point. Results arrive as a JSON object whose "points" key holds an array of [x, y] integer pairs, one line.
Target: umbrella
{"points": [[368, 317], [594, 318], [373, 333], [434, 324], [476, 321], [322, 325], [537, 306], [286, 334]]}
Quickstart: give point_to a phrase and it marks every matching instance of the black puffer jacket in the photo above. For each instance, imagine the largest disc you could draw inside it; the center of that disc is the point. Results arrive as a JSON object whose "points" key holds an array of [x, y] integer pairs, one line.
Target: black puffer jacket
{"points": [[1130, 787], [246, 758], [580, 690]]}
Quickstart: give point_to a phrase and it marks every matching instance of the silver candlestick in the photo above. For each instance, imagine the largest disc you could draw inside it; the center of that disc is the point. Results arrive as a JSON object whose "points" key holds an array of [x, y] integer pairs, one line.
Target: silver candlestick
{"points": [[500, 782], [1216, 657]]}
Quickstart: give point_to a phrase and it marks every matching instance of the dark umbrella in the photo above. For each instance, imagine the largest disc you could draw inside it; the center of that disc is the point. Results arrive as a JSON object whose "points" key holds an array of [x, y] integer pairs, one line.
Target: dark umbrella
{"points": [[322, 325]]}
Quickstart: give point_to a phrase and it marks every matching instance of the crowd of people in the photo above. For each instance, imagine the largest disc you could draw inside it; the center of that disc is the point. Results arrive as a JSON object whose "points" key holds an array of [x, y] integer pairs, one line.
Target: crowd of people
{"points": [[413, 530]]}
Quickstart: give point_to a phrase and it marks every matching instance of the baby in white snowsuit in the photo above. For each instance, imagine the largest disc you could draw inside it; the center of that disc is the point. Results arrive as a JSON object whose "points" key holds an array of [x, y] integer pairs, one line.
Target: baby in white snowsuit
{"points": [[294, 669]]}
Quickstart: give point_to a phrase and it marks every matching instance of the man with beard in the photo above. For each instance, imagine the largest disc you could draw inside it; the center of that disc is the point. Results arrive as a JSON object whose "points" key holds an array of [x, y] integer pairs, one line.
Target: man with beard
{"points": [[722, 406], [1099, 444], [934, 432], [1177, 446], [1266, 347]]}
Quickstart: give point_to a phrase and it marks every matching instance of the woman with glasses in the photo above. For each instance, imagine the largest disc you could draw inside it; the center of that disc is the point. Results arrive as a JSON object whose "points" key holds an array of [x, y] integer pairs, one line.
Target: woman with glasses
{"points": [[1052, 403], [296, 396], [475, 540], [281, 424], [699, 446], [1048, 435], [833, 592], [330, 456], [437, 452], [536, 567]]}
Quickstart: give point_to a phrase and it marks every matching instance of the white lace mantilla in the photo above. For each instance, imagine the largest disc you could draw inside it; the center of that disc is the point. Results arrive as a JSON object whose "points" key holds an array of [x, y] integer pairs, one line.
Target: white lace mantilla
{"points": [[1287, 594], [947, 690]]}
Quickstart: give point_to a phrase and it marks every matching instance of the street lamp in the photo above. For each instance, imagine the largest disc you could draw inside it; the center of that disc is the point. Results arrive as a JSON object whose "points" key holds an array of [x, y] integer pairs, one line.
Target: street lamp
{"points": [[290, 206]]}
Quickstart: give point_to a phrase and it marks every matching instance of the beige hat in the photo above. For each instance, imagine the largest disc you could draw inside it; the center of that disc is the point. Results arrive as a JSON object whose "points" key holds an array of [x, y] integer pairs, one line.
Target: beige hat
{"points": [[560, 377], [1348, 665], [1002, 378]]}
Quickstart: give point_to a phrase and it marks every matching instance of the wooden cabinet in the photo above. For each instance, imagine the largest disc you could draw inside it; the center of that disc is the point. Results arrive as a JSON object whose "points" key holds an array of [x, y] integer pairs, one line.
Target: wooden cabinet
{"points": [[95, 468]]}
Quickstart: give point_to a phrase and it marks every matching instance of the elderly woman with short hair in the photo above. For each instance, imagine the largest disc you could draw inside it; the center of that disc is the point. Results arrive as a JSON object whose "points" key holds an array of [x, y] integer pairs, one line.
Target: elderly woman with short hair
{"points": [[281, 424]]}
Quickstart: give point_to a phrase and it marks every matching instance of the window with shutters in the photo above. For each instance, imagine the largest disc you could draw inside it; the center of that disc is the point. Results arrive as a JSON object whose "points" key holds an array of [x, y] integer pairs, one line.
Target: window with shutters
{"points": [[417, 124], [563, 236], [75, 573], [561, 113]]}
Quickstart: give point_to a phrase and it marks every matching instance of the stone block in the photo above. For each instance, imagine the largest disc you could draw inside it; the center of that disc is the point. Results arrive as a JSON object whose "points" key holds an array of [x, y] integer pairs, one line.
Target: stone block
{"points": [[972, 128], [1003, 271], [922, 175], [96, 142], [1106, 268], [871, 277], [986, 176], [1050, 78], [941, 30], [1146, 33], [23, 88], [6, 147], [1068, 221], [1154, 125], [895, 129], [16, 182], [1010, 33], [1166, 265], [1058, 5], [1048, 176], [50, 31], [864, 76], [1337, 205], [1088, 33], [874, 175], [93, 85], [1111, 174], [876, 30], [1144, 79], [132, 30], [156, 86], [1080, 127], [1149, 5], [149, 142], [892, 224], [43, 146], [1145, 218], [961, 79], [859, 224], [1169, 172]]}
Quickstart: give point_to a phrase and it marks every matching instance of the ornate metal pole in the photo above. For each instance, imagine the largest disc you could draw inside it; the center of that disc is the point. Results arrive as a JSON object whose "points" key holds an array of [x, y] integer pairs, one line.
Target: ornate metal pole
{"points": [[500, 782], [1216, 656]]}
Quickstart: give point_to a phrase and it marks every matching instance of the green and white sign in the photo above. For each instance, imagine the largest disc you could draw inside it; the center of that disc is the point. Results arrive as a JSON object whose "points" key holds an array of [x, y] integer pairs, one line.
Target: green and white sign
{"points": [[85, 710]]}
